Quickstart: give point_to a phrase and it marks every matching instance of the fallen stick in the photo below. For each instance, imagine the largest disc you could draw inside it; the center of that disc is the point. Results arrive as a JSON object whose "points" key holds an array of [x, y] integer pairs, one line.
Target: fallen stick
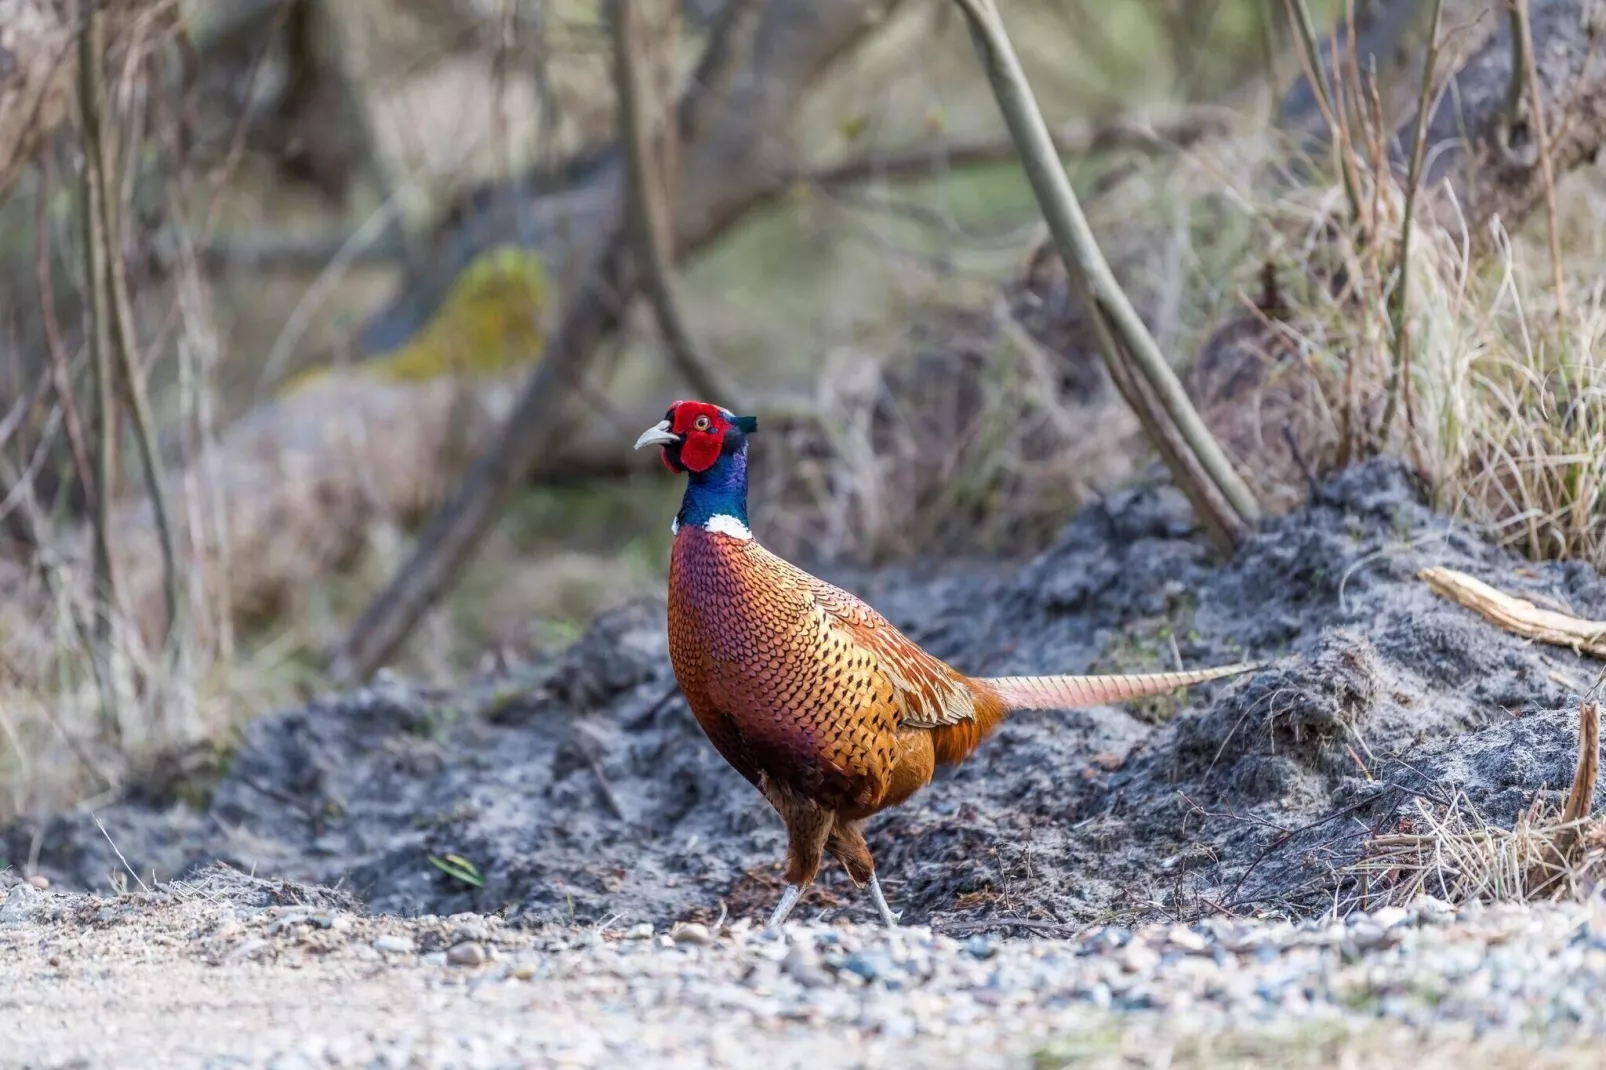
{"points": [[1518, 615]]}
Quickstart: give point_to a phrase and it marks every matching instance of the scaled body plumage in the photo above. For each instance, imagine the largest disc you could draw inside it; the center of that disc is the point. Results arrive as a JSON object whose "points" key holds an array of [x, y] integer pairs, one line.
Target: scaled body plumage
{"points": [[808, 692]]}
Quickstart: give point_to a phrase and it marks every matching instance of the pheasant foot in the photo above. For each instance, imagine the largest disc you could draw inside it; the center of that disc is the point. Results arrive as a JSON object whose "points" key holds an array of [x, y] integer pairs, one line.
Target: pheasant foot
{"points": [[784, 907], [881, 903]]}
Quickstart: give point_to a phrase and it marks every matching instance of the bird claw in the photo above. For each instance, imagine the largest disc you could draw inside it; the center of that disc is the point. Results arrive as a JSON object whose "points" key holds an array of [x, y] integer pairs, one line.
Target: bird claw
{"points": [[887, 915]]}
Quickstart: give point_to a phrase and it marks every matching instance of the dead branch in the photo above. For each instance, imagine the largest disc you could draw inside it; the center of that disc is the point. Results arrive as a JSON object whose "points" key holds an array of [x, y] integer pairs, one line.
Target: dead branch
{"points": [[1198, 465], [37, 71], [649, 146], [96, 280], [1157, 132], [1518, 615], [728, 163]]}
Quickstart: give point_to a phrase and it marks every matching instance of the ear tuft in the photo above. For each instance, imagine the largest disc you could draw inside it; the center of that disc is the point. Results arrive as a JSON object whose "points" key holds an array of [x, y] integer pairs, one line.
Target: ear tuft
{"points": [[746, 424]]}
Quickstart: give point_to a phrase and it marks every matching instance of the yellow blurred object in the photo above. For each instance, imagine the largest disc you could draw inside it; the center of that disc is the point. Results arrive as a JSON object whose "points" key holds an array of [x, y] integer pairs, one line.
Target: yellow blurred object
{"points": [[852, 127], [492, 320]]}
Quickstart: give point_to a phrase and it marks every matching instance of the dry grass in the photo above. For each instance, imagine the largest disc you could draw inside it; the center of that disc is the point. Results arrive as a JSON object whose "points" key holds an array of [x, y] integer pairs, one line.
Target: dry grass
{"points": [[1450, 851], [1502, 398], [1453, 853], [961, 435]]}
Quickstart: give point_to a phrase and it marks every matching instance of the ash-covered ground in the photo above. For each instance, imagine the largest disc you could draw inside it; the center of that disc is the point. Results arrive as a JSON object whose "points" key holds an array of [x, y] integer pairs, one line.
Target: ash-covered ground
{"points": [[592, 793]]}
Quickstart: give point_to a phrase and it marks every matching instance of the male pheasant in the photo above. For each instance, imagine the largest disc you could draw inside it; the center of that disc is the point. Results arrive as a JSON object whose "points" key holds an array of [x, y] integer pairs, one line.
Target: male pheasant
{"points": [[826, 708]]}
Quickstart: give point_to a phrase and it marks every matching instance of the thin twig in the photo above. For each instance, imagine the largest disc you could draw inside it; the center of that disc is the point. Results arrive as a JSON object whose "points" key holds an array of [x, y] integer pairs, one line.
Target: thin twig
{"points": [[1523, 27], [611, 796], [55, 347], [119, 853], [649, 149], [20, 408], [1310, 58], [1398, 309], [103, 595], [131, 380], [23, 485]]}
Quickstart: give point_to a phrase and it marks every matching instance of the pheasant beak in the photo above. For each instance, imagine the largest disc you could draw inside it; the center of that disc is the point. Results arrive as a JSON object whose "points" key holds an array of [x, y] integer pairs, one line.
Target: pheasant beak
{"points": [[658, 435]]}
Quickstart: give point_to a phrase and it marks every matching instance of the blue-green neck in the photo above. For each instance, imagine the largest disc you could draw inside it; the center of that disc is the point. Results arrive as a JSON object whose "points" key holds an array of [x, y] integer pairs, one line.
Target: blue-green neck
{"points": [[720, 490]]}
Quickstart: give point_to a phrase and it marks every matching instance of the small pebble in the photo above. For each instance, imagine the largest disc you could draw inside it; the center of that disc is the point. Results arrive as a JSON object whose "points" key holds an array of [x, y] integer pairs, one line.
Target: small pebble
{"points": [[642, 931], [467, 953], [693, 933], [803, 966], [395, 945], [981, 947], [1389, 917], [1431, 910], [864, 966], [1186, 939]]}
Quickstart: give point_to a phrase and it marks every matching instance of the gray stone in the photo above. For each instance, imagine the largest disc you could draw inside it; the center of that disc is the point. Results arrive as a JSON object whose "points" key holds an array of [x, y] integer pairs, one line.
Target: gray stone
{"points": [[467, 953]]}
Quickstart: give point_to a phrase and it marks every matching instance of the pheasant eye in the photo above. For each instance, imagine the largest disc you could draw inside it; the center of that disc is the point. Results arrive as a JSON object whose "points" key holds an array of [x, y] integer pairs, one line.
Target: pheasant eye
{"points": [[702, 423]]}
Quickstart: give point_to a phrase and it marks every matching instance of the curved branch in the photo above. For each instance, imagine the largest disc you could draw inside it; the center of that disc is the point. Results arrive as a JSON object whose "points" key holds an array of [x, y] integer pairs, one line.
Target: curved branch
{"points": [[649, 152], [1221, 499]]}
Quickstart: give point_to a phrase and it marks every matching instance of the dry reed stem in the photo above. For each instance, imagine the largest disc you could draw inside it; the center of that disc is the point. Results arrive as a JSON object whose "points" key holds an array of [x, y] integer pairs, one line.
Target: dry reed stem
{"points": [[1399, 306], [1522, 24], [1518, 615], [1582, 796]]}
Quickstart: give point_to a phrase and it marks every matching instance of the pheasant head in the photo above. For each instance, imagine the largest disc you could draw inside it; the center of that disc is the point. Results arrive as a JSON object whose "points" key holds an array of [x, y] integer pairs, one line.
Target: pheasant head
{"points": [[709, 444]]}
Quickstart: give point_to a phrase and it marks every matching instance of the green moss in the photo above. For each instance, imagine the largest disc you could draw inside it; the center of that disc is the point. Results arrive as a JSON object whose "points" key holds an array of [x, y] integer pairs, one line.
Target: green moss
{"points": [[493, 319]]}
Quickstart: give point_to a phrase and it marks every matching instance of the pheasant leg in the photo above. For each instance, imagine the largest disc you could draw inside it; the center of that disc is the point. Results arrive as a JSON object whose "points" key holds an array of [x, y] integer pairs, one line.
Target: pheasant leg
{"points": [[847, 843], [807, 827], [881, 903], [784, 907]]}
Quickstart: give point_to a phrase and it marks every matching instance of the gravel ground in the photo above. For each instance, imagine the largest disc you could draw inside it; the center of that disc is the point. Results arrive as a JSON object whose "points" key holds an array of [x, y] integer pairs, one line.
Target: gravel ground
{"points": [[232, 971]]}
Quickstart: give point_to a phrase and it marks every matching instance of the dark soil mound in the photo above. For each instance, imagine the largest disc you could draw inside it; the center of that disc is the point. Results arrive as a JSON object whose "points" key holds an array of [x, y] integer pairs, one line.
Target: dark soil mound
{"points": [[594, 794]]}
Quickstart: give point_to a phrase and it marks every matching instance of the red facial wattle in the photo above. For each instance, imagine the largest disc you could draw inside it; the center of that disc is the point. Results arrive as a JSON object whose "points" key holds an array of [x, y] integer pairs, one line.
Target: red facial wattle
{"points": [[702, 429]]}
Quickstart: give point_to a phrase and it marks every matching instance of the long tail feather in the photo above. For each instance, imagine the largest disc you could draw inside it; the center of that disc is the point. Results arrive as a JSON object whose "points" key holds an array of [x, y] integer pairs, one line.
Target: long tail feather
{"points": [[1073, 692]]}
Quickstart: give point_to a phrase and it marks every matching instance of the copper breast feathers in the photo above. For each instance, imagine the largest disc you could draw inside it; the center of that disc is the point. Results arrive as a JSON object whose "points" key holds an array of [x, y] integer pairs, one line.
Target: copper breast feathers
{"points": [[793, 678]]}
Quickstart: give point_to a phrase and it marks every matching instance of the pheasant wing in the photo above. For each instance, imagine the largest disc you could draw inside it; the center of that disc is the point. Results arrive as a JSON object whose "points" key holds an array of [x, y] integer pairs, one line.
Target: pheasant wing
{"points": [[930, 692]]}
